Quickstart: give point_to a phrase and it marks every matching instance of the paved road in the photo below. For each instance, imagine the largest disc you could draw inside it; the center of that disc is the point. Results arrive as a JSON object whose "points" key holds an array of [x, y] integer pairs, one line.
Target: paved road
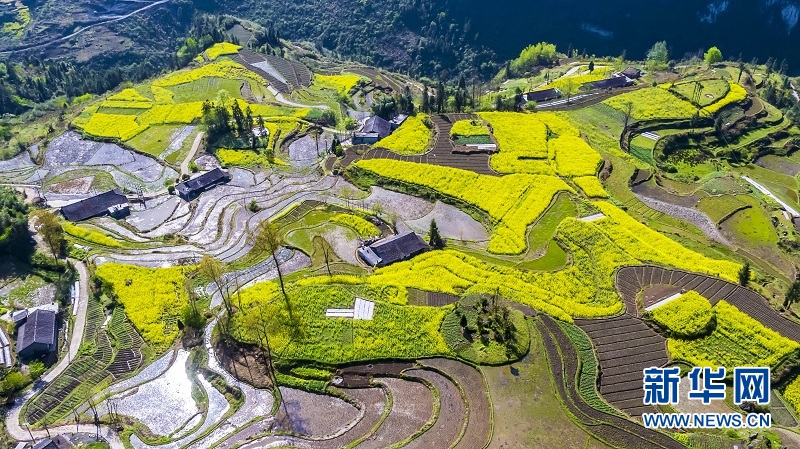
{"points": [[13, 426], [185, 164], [765, 191]]}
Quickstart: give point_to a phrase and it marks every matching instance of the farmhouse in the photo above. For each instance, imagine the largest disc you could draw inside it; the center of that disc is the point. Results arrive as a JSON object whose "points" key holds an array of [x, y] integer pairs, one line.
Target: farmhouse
{"points": [[614, 82], [393, 249], [541, 95], [59, 442], [113, 203], [632, 73], [37, 333], [190, 189], [374, 129]]}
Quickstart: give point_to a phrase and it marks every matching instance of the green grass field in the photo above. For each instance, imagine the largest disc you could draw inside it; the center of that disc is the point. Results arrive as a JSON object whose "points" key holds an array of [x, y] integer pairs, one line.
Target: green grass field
{"points": [[544, 229], [527, 409], [155, 139], [711, 90], [642, 149], [752, 225], [205, 89], [720, 207]]}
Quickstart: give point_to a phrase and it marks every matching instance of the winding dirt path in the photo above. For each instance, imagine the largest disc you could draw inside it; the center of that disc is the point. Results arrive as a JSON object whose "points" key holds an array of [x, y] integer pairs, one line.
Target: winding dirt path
{"points": [[195, 146]]}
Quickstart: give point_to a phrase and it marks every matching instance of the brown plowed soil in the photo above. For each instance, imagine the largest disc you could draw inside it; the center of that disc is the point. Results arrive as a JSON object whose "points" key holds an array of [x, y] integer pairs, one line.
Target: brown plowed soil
{"points": [[412, 408], [614, 430], [479, 425], [452, 412], [632, 280]]}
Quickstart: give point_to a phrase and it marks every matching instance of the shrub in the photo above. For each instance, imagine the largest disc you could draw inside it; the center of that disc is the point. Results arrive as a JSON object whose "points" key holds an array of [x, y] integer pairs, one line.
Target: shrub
{"points": [[89, 235], [518, 135], [522, 140], [240, 158], [579, 80], [736, 94], [412, 137], [128, 98], [792, 393], [541, 54], [469, 128], [36, 368], [485, 331], [162, 96], [573, 156], [585, 289], [114, 126], [689, 316], [222, 69], [396, 331], [341, 84], [13, 382], [222, 48], [648, 245]]}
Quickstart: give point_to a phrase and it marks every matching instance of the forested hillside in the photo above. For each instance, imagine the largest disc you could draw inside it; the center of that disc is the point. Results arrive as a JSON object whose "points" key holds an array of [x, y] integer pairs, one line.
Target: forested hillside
{"points": [[419, 37]]}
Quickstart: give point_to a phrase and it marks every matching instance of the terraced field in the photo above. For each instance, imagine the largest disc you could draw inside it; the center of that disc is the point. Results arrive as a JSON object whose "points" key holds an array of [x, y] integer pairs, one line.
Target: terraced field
{"points": [[104, 360], [609, 428], [441, 152], [434, 403], [631, 280], [625, 345], [249, 58]]}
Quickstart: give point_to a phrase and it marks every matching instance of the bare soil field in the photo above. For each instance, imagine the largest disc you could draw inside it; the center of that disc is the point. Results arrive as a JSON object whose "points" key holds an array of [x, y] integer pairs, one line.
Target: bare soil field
{"points": [[313, 415], [625, 345], [452, 412], [452, 222], [655, 293], [616, 431], [360, 376], [412, 408], [77, 186], [779, 164], [471, 381], [406, 207]]}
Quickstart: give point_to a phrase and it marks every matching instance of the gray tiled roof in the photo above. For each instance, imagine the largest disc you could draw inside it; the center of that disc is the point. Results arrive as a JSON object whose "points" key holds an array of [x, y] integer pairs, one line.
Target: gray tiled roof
{"points": [[202, 182], [377, 126], [399, 248], [40, 327], [93, 206], [543, 95]]}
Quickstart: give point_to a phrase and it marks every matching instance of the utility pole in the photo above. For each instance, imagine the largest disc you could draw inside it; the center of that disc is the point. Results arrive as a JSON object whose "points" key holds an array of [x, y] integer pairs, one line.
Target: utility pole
{"points": [[33, 440]]}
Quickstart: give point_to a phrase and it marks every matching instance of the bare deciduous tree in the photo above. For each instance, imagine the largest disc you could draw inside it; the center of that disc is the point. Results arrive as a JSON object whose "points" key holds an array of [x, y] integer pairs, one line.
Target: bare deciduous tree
{"points": [[627, 113], [266, 238]]}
